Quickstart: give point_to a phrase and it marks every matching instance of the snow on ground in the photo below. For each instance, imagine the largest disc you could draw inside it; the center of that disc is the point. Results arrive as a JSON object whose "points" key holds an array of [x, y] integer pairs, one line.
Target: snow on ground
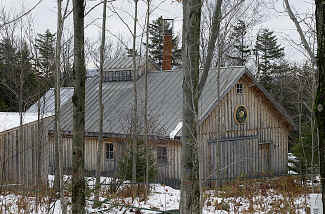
{"points": [[162, 198], [9, 120]]}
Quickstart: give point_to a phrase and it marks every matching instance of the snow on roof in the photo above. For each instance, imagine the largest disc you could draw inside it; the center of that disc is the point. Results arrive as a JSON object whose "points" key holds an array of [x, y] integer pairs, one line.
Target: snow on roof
{"points": [[9, 120], [176, 130]]}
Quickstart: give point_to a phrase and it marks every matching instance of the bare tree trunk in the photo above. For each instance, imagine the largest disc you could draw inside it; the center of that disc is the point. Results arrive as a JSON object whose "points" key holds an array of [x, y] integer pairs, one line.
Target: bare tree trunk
{"points": [[218, 92], [100, 103], [20, 106], [146, 99], [78, 100], [190, 187], [320, 95], [192, 87], [58, 140], [134, 119]]}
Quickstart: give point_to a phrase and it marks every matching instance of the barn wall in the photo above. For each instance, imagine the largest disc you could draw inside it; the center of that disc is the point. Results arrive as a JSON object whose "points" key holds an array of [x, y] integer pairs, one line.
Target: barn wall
{"points": [[266, 128], [170, 171], [108, 166], [23, 162]]}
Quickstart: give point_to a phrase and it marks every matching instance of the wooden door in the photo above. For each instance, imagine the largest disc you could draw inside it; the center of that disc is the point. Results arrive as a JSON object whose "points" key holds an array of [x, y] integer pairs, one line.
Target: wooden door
{"points": [[264, 157], [162, 163], [233, 158]]}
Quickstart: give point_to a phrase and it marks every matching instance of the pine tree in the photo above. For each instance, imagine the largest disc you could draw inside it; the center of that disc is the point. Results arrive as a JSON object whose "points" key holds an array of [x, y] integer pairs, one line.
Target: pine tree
{"points": [[269, 52], [240, 50], [8, 62], [45, 45], [156, 44], [25, 76], [16, 72]]}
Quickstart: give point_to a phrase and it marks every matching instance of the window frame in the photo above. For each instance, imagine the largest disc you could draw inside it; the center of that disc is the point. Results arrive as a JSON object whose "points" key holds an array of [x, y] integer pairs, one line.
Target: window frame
{"points": [[239, 88], [109, 151]]}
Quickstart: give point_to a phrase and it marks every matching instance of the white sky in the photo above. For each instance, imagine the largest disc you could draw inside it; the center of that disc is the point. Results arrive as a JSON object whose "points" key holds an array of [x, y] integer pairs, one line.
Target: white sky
{"points": [[45, 17]]}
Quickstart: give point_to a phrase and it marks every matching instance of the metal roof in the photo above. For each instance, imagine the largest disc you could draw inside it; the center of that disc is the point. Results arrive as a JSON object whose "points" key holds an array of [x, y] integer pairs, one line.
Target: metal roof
{"points": [[164, 100], [48, 101], [125, 63]]}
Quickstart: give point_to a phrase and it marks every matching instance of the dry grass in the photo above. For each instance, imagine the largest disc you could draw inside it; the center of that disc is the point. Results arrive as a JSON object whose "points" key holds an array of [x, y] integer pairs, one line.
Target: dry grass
{"points": [[276, 195]]}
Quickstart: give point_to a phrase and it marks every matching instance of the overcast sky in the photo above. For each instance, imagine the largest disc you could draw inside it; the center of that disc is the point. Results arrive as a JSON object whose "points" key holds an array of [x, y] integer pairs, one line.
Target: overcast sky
{"points": [[45, 18]]}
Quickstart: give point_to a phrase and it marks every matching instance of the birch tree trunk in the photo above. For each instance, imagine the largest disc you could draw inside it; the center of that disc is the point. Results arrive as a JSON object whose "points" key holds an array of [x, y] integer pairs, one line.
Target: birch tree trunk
{"points": [[100, 103], [320, 94], [78, 100], [134, 119]]}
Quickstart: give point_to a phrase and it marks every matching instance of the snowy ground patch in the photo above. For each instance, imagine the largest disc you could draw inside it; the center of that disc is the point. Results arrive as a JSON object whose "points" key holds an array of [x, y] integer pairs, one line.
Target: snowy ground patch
{"points": [[264, 196]]}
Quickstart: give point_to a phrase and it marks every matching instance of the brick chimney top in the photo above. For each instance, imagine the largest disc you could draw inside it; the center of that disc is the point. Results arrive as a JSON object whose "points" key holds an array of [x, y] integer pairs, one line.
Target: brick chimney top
{"points": [[167, 34]]}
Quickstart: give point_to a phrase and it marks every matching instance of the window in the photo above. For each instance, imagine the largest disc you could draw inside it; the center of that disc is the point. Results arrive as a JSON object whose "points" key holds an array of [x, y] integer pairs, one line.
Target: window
{"points": [[125, 75], [161, 155], [112, 76], [239, 88], [109, 151], [106, 76]]}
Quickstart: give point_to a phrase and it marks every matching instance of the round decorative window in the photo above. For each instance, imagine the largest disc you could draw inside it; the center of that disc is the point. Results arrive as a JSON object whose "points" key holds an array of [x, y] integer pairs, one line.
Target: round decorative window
{"points": [[240, 114]]}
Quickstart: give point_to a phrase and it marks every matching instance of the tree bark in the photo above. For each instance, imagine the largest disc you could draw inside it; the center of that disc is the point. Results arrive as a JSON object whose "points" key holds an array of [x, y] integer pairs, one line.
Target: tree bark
{"points": [[214, 34], [190, 187], [134, 119], [100, 103], [146, 99], [191, 190], [78, 100], [320, 93], [58, 140]]}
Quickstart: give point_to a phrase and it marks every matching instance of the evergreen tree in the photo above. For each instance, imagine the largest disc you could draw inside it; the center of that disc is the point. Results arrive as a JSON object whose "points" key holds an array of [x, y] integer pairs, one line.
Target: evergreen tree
{"points": [[240, 51], [25, 76], [125, 164], [16, 72], [269, 52], [8, 62], [45, 44], [156, 43]]}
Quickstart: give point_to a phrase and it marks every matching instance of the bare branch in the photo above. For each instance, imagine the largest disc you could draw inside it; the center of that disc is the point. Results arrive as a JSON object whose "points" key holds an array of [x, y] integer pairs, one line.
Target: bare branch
{"points": [[122, 20], [21, 16], [214, 33], [299, 30]]}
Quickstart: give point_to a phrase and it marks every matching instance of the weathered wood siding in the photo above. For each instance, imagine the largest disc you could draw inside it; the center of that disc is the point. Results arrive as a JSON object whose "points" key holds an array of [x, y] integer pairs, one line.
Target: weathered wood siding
{"points": [[108, 166], [170, 172], [265, 129], [22, 161]]}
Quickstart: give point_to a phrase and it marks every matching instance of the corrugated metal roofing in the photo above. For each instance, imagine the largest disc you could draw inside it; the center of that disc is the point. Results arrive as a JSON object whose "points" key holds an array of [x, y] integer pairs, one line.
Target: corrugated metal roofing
{"points": [[164, 101], [125, 63], [48, 101]]}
